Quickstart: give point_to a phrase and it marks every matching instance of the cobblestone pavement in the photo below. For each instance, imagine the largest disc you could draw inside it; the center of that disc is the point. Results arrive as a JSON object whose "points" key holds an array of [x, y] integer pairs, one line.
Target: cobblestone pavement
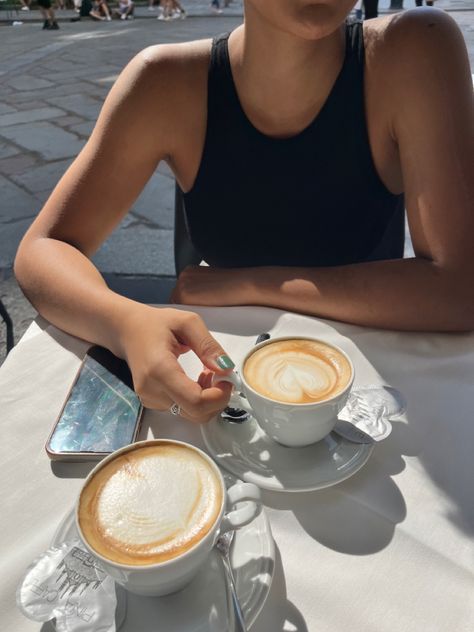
{"points": [[52, 85]]}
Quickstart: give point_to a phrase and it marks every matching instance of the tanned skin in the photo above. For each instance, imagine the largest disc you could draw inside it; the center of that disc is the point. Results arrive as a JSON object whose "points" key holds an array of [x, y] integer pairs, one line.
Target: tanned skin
{"points": [[285, 59]]}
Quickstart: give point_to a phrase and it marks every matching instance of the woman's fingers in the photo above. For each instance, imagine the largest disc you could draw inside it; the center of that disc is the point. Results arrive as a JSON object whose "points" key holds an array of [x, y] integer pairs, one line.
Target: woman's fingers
{"points": [[199, 402], [155, 340], [168, 384], [193, 332]]}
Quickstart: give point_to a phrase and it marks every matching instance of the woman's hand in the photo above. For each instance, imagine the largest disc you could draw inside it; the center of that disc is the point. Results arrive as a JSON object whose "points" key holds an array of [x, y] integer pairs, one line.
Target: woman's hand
{"points": [[152, 339], [203, 285]]}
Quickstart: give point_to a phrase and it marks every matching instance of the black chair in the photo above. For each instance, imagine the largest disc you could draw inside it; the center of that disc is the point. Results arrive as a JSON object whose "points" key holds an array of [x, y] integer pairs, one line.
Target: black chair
{"points": [[184, 252], [9, 325]]}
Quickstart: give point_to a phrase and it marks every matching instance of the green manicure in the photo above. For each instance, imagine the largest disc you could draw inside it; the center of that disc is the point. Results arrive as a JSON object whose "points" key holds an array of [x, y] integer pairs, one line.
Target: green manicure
{"points": [[224, 362]]}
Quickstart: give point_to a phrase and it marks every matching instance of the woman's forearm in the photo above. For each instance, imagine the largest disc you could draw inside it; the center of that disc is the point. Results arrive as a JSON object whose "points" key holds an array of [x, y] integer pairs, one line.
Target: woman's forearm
{"points": [[407, 294], [66, 288]]}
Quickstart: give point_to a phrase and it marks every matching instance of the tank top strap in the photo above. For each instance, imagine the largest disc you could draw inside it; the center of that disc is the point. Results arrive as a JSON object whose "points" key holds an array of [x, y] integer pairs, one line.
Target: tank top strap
{"points": [[355, 62], [355, 42], [220, 86]]}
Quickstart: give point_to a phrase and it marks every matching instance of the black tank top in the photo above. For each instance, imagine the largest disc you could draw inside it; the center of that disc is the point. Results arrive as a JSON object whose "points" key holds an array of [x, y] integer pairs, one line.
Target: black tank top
{"points": [[314, 199]]}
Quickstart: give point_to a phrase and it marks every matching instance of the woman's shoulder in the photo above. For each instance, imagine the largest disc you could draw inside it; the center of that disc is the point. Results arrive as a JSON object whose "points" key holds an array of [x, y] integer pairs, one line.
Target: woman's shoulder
{"points": [[178, 60], [168, 72], [412, 42], [165, 81]]}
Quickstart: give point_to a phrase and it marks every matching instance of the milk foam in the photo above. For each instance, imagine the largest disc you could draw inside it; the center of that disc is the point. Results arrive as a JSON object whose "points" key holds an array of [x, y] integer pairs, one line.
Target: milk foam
{"points": [[297, 371], [150, 504]]}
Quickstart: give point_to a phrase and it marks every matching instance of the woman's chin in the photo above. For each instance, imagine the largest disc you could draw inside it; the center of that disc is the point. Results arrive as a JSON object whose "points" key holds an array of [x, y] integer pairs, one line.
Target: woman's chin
{"points": [[315, 21]]}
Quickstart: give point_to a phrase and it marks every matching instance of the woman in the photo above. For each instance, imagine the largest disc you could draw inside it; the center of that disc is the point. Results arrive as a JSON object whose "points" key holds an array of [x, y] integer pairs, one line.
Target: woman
{"points": [[294, 140], [100, 10]]}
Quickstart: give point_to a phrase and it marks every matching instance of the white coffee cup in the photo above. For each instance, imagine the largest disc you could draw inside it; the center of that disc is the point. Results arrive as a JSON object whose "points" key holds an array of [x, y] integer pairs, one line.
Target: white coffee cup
{"points": [[242, 502], [291, 424]]}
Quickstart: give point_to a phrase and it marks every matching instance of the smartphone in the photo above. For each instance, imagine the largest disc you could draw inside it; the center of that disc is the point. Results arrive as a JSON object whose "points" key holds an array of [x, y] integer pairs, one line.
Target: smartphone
{"points": [[101, 413]]}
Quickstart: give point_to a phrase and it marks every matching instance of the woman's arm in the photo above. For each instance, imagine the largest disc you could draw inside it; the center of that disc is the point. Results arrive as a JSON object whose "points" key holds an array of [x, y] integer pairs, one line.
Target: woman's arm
{"points": [[432, 123], [134, 132]]}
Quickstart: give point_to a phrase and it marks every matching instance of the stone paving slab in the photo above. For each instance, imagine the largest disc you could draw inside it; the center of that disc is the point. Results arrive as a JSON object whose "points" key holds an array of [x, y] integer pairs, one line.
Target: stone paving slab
{"points": [[156, 202], [82, 104], [29, 82], [17, 204], [150, 253], [43, 178], [49, 141], [83, 129], [6, 109], [41, 114], [7, 150], [19, 163]]}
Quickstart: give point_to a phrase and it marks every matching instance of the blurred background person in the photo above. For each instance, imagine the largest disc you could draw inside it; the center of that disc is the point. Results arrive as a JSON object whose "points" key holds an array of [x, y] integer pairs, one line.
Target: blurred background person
{"points": [[100, 11], [216, 6], [125, 10], [49, 18], [177, 9], [171, 9]]}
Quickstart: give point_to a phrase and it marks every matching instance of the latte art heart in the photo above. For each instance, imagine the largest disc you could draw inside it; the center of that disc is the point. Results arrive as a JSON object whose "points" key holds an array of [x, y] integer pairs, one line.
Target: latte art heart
{"points": [[297, 371], [297, 378]]}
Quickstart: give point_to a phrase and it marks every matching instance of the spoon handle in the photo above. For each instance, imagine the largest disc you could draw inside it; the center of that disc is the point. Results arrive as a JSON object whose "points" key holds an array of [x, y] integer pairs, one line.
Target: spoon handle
{"points": [[236, 618], [262, 338]]}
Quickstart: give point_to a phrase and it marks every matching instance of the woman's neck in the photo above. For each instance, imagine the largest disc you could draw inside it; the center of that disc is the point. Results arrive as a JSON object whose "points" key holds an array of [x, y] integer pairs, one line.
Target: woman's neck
{"points": [[282, 80]]}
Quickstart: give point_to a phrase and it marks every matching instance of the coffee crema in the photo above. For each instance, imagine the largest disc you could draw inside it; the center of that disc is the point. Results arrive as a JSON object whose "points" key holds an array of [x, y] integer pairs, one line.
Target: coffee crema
{"points": [[297, 371], [150, 504]]}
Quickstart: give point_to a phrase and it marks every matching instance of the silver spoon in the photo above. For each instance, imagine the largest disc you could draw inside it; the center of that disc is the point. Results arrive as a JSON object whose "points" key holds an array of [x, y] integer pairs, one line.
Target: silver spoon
{"points": [[236, 618]]}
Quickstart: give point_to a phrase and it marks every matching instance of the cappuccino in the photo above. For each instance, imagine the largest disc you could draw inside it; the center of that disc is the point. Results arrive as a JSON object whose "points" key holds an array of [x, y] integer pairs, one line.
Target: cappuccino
{"points": [[297, 371], [150, 504]]}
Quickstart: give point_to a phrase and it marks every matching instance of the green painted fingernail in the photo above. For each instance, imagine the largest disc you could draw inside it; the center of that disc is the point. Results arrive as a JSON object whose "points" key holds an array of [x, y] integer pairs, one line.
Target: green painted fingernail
{"points": [[224, 362]]}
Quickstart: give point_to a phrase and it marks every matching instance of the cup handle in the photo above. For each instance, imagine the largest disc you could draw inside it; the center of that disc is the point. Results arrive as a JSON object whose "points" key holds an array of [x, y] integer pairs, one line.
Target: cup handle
{"points": [[237, 398], [233, 378], [248, 496]]}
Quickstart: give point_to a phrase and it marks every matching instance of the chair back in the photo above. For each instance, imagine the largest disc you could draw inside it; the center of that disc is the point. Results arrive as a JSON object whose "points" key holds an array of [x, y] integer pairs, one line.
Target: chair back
{"points": [[184, 252]]}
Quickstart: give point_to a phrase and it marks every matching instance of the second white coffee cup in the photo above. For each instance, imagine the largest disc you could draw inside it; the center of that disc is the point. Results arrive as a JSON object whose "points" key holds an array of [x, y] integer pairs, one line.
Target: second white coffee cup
{"points": [[289, 423]]}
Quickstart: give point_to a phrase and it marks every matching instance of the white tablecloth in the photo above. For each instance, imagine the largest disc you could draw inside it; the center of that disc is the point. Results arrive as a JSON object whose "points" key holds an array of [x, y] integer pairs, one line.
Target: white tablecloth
{"points": [[389, 550]]}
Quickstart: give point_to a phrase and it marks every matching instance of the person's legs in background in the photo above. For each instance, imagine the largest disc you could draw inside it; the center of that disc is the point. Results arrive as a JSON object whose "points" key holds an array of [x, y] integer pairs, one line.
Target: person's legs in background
{"points": [[178, 8], [47, 12], [371, 9]]}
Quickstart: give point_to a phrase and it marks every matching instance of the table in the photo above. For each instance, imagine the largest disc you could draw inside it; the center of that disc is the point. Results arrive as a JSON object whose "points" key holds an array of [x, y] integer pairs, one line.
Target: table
{"points": [[389, 550]]}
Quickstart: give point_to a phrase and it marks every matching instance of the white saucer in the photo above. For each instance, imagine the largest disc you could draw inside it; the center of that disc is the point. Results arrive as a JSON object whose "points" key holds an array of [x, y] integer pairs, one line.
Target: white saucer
{"points": [[202, 606], [250, 454]]}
